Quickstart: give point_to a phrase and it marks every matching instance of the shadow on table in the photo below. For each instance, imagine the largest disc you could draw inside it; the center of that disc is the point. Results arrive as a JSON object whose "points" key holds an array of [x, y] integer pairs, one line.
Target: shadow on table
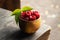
{"points": [[19, 35]]}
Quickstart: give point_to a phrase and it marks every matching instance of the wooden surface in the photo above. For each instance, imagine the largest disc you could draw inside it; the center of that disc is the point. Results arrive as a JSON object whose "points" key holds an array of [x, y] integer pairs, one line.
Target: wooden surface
{"points": [[45, 36], [10, 4], [10, 31]]}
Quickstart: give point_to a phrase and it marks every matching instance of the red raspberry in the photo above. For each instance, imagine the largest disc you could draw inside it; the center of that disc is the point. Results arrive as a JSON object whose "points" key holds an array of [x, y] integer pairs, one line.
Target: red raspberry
{"points": [[37, 15], [32, 17], [32, 12], [26, 18], [22, 17], [23, 14], [35, 11], [28, 13]]}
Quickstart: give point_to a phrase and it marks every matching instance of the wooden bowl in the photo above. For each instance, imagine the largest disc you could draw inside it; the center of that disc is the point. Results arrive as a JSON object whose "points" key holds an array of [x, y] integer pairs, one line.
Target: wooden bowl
{"points": [[29, 27]]}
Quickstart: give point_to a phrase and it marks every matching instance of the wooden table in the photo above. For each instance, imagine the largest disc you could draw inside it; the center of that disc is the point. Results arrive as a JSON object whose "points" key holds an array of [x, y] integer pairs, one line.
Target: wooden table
{"points": [[10, 31]]}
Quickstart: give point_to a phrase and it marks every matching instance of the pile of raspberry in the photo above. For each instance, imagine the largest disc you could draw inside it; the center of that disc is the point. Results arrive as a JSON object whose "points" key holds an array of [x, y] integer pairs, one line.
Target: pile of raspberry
{"points": [[30, 15]]}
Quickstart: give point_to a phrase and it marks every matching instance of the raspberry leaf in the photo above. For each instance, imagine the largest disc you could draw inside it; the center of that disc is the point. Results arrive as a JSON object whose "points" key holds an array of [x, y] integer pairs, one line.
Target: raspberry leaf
{"points": [[15, 12], [26, 8], [16, 19]]}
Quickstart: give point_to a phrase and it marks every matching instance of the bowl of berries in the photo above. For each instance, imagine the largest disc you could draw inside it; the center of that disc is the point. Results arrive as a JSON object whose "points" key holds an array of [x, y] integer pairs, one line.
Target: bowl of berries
{"points": [[28, 19]]}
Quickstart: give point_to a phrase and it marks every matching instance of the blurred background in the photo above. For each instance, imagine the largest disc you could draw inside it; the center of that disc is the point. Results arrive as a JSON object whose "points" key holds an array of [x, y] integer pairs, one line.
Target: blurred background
{"points": [[49, 10], [10, 4]]}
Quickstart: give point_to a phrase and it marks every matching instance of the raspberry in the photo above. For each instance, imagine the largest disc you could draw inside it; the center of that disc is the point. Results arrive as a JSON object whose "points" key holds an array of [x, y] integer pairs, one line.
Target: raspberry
{"points": [[23, 14], [26, 18], [32, 12], [37, 15], [35, 11], [28, 13], [32, 17], [22, 17]]}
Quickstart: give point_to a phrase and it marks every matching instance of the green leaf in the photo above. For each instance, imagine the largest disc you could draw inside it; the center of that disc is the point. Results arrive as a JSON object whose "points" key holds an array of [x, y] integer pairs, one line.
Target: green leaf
{"points": [[26, 8], [16, 19], [15, 12]]}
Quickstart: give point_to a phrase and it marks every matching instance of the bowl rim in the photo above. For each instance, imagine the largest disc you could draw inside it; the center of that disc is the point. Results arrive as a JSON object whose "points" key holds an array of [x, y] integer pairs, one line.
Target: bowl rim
{"points": [[28, 21]]}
